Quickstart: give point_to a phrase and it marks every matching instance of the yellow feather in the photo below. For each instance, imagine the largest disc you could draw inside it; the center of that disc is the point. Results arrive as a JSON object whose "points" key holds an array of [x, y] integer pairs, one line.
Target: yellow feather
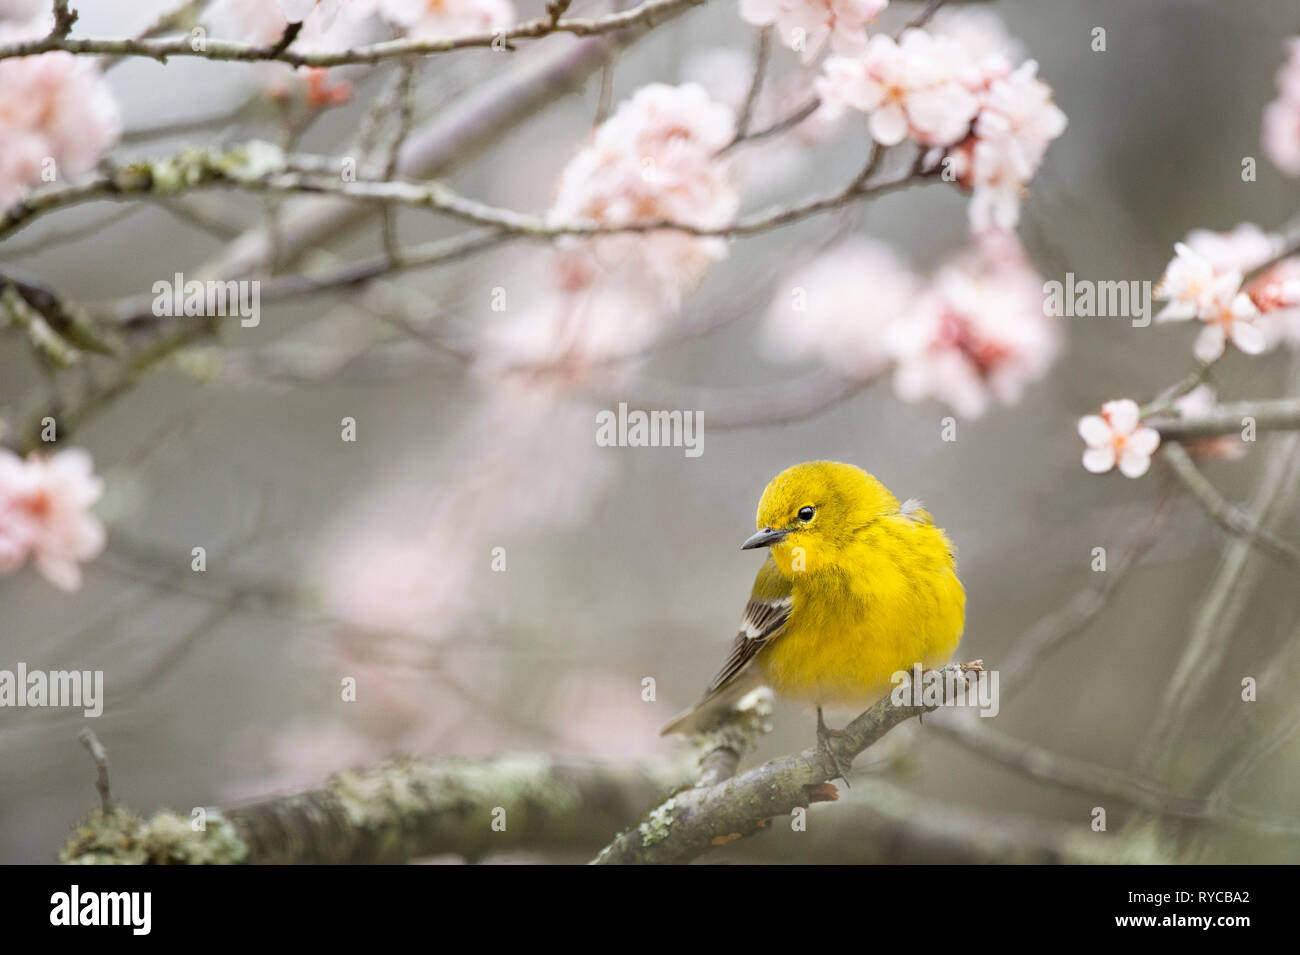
{"points": [[874, 584], [873, 588]]}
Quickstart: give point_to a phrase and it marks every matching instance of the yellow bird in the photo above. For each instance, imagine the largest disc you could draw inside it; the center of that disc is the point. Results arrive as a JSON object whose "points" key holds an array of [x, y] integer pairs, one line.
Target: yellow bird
{"points": [[856, 587]]}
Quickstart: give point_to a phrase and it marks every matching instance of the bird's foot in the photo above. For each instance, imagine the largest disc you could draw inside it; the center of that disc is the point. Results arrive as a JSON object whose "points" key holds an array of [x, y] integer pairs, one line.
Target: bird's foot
{"points": [[824, 736]]}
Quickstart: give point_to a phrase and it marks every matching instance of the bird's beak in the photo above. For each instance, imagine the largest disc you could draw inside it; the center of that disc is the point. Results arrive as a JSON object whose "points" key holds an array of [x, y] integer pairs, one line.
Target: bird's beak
{"points": [[765, 538]]}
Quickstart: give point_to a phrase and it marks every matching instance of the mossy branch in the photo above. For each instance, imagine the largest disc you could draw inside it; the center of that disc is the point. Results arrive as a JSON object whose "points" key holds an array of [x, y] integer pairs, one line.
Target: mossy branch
{"points": [[689, 823], [400, 810]]}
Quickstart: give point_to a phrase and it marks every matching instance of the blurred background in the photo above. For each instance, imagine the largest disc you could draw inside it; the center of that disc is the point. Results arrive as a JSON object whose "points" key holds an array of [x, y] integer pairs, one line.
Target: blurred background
{"points": [[374, 559]]}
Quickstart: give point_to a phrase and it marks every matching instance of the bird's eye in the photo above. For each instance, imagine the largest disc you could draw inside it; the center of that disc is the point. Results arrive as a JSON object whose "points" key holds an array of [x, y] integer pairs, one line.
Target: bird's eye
{"points": [[805, 513]]}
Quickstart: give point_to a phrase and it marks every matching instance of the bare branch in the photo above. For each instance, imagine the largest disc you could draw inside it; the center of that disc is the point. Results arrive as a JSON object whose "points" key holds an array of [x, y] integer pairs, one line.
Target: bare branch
{"points": [[1277, 414], [647, 13], [1078, 775], [100, 758], [64, 18], [1220, 606], [1232, 517]]}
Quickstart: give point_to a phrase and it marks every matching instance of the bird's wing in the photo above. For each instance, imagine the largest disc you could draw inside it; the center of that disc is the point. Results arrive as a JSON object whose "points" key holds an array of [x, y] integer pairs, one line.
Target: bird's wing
{"points": [[766, 615]]}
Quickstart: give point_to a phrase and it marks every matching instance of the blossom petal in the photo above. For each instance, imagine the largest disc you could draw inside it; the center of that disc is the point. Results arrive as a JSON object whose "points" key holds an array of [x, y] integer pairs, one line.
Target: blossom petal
{"points": [[1094, 430], [1249, 337], [1143, 441], [888, 125], [1209, 344], [1099, 460], [1133, 463], [1123, 415]]}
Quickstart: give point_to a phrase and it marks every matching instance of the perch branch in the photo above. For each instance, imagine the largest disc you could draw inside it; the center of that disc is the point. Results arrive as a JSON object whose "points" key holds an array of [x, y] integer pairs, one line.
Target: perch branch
{"points": [[687, 824]]}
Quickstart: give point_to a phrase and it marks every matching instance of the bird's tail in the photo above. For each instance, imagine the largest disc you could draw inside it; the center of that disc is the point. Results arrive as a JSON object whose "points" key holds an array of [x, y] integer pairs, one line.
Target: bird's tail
{"points": [[712, 709]]}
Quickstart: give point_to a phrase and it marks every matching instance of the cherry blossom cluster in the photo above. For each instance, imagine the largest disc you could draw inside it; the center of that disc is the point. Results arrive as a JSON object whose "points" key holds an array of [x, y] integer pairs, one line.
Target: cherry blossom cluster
{"points": [[45, 514], [954, 90], [1207, 281], [656, 159], [973, 333], [57, 114], [1244, 290], [1281, 132]]}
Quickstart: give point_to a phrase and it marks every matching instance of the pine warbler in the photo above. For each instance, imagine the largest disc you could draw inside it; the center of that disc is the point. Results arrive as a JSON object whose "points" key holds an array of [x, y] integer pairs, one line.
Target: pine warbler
{"points": [[855, 588]]}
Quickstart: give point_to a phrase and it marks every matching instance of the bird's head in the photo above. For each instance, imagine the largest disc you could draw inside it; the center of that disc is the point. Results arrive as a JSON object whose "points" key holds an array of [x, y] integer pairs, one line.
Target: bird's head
{"points": [[809, 512]]}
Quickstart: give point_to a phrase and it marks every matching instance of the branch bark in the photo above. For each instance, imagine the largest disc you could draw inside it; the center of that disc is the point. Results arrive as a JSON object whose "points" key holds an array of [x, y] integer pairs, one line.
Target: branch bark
{"points": [[648, 13], [397, 811], [689, 823]]}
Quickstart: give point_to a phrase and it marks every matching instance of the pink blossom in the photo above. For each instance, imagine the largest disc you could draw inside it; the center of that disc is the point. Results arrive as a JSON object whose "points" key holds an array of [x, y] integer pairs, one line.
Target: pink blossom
{"points": [[1020, 117], [57, 116], [1117, 436], [1243, 248], [449, 18], [1016, 124], [1281, 130], [838, 309], [979, 333], [908, 89], [1276, 293], [1194, 288], [655, 159], [806, 25], [1236, 320], [989, 52], [45, 514]]}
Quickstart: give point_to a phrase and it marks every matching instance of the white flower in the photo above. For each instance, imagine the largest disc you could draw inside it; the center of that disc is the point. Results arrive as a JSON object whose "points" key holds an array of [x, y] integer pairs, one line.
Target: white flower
{"points": [[1117, 436], [1193, 287], [1236, 320], [908, 89], [1020, 116], [1243, 248]]}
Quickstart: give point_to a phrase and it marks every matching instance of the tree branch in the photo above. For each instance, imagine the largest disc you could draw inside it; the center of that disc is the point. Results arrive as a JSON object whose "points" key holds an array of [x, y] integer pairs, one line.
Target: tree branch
{"points": [[647, 13], [1231, 517], [399, 810], [1276, 414], [687, 824]]}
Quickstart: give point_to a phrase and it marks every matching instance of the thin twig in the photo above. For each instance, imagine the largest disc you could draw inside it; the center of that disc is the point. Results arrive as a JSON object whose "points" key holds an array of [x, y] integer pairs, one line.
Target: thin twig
{"points": [[1231, 517], [762, 54], [100, 757]]}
